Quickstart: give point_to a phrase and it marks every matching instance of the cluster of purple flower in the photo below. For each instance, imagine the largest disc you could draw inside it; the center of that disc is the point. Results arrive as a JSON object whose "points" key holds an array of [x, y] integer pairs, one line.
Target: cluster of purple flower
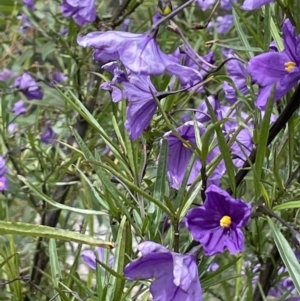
{"points": [[216, 225]]}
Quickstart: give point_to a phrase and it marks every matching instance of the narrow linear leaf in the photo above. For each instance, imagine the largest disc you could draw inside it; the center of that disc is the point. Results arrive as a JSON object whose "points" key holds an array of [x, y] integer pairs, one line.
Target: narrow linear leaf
{"points": [[288, 205], [49, 232], [56, 204], [287, 254], [54, 264]]}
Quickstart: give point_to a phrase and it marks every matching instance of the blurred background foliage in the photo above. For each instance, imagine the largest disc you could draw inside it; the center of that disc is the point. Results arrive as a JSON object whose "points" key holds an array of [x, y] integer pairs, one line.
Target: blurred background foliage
{"points": [[95, 181]]}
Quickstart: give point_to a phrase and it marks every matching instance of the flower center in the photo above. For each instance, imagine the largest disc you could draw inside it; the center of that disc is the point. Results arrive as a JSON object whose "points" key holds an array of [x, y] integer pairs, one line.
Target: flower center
{"points": [[289, 66], [225, 221]]}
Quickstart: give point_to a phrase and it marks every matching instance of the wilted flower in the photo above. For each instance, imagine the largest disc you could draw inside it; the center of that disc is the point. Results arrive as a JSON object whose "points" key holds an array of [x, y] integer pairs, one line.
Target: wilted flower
{"points": [[217, 224], [179, 156], [82, 11], [19, 108], [48, 135], [255, 4], [28, 86], [6, 75], [89, 258], [175, 275], [277, 68], [29, 3], [139, 53]]}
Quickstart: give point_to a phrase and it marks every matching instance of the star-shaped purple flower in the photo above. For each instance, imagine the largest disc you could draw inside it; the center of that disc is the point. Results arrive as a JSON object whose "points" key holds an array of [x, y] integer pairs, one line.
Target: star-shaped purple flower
{"points": [[277, 68], [82, 11], [217, 224], [29, 87], [175, 275]]}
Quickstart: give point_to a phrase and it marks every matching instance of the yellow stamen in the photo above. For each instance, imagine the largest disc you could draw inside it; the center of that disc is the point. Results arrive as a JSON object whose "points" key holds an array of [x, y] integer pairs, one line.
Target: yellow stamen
{"points": [[225, 221], [289, 66]]}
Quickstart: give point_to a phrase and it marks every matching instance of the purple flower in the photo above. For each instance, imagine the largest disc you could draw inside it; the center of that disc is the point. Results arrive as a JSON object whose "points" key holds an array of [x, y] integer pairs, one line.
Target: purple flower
{"points": [[141, 104], [3, 168], [202, 113], [28, 86], [125, 24], [82, 11], [224, 23], [137, 90], [64, 31], [29, 3], [3, 183], [277, 68], [12, 127], [213, 267], [237, 72], [255, 4], [193, 69], [89, 258], [19, 108], [58, 77], [179, 155], [175, 275], [206, 4], [26, 24], [48, 135], [139, 53], [6, 75], [217, 224]]}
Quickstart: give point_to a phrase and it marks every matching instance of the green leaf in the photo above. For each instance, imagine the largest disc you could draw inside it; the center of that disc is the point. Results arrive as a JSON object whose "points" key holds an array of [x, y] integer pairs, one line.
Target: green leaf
{"points": [[267, 31], [224, 149], [56, 204], [49, 232], [287, 254], [262, 145], [54, 264], [2, 263], [160, 180], [117, 284], [288, 205]]}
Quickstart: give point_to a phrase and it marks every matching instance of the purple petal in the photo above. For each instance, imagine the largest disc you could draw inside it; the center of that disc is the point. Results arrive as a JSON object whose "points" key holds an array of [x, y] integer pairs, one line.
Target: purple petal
{"points": [[255, 4]]}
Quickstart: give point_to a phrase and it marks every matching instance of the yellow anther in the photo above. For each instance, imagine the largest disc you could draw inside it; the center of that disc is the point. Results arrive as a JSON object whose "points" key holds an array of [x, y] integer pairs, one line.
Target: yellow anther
{"points": [[225, 221], [289, 66]]}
